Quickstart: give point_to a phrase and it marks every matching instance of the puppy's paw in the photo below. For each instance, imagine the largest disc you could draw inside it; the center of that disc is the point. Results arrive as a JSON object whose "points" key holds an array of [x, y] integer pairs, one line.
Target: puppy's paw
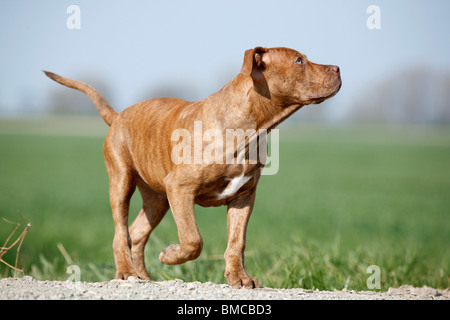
{"points": [[177, 254], [239, 281], [170, 255], [124, 275]]}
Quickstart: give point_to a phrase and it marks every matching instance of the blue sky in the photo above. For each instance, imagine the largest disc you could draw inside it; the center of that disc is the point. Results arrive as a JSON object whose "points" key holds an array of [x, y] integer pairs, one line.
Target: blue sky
{"points": [[136, 46]]}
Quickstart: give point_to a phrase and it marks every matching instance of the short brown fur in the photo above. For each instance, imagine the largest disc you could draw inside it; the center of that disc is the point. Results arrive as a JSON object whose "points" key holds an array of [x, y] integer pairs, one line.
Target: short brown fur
{"points": [[272, 85]]}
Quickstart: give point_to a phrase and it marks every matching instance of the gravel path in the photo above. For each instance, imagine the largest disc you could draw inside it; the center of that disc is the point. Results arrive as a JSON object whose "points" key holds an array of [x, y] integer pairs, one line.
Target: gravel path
{"points": [[28, 288]]}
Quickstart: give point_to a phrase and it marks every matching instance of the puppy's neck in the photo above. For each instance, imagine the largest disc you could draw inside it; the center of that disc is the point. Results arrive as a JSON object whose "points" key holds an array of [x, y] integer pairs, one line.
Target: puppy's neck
{"points": [[252, 106]]}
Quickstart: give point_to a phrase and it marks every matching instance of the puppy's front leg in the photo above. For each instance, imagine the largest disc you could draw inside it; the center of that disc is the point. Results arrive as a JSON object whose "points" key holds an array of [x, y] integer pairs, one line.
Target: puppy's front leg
{"points": [[239, 211], [181, 202]]}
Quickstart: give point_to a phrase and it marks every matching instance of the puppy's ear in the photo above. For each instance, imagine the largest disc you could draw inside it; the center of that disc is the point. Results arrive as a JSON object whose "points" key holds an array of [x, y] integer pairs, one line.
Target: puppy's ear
{"points": [[252, 59]]}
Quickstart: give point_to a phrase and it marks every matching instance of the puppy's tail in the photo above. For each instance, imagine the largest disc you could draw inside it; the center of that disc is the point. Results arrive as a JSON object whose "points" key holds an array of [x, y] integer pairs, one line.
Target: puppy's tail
{"points": [[108, 114]]}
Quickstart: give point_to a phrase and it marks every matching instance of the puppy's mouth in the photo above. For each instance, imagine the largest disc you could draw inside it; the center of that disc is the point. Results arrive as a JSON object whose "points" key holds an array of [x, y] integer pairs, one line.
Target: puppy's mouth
{"points": [[337, 86], [317, 100]]}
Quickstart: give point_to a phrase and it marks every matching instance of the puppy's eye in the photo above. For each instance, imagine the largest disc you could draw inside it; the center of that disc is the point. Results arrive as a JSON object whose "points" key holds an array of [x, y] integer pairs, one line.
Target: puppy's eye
{"points": [[299, 61]]}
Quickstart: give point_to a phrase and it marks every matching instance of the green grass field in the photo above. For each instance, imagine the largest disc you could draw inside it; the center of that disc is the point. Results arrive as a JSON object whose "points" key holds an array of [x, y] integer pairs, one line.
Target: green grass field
{"points": [[345, 198]]}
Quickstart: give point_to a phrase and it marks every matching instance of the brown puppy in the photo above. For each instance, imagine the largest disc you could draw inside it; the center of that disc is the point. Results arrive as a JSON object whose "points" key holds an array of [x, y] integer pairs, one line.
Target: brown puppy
{"points": [[140, 152]]}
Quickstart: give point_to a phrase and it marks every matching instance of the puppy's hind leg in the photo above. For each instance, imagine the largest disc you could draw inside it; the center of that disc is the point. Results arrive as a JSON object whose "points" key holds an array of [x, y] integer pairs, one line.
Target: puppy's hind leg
{"points": [[121, 188], [120, 193], [154, 209]]}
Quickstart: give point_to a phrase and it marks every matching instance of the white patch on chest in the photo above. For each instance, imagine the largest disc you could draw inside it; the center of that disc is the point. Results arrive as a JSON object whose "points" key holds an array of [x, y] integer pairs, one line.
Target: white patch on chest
{"points": [[234, 185]]}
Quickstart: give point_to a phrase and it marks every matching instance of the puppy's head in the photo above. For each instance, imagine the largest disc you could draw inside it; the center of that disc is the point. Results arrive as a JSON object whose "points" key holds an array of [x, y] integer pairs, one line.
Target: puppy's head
{"points": [[289, 76]]}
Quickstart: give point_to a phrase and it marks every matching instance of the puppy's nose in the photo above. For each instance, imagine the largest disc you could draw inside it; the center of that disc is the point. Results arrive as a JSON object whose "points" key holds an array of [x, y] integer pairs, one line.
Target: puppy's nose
{"points": [[335, 69]]}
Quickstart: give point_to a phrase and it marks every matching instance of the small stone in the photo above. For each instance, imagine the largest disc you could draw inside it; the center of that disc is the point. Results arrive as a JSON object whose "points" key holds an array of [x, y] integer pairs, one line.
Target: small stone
{"points": [[133, 279], [190, 286]]}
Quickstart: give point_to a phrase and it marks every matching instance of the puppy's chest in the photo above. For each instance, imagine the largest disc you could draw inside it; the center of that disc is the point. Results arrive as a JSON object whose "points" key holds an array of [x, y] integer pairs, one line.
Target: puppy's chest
{"points": [[225, 189], [234, 185]]}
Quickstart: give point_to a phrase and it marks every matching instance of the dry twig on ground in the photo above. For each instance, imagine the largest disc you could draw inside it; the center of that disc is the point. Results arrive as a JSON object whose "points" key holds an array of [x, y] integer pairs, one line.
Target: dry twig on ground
{"points": [[5, 248]]}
